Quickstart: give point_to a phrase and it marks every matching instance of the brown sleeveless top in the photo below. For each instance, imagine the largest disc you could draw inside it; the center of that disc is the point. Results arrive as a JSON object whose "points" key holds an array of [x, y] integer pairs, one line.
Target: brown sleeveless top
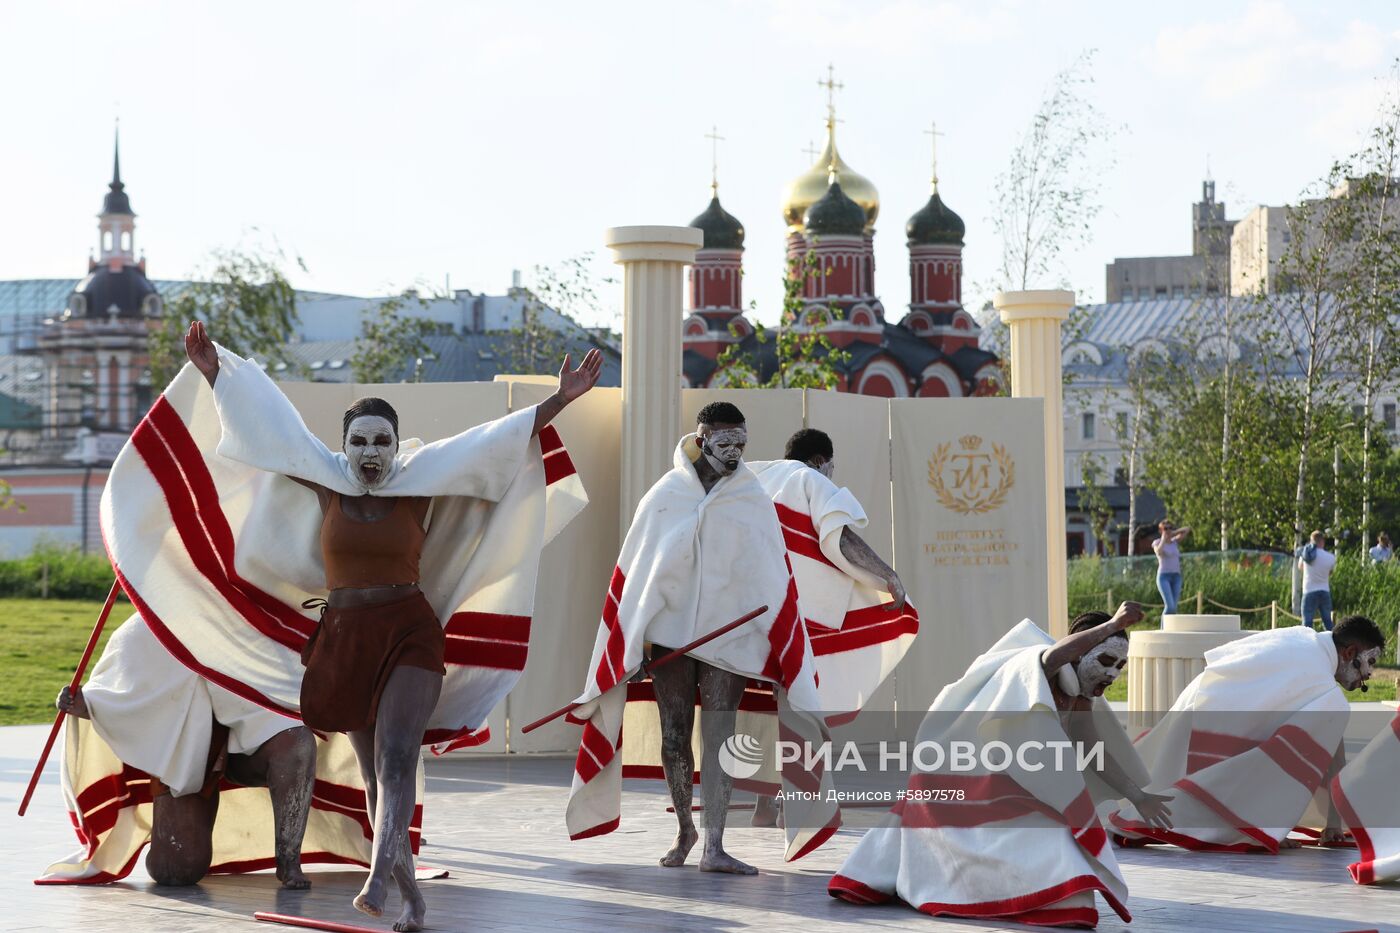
{"points": [[381, 553]]}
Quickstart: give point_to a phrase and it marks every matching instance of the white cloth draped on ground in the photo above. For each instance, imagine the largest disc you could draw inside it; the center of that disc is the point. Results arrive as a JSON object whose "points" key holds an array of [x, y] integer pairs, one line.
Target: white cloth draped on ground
{"points": [[692, 562], [1246, 746], [857, 636], [1368, 801], [1022, 844], [217, 547], [152, 716]]}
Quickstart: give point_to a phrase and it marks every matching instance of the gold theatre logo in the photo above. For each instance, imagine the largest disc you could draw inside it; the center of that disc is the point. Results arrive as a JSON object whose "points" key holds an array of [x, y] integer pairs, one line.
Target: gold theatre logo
{"points": [[970, 480]]}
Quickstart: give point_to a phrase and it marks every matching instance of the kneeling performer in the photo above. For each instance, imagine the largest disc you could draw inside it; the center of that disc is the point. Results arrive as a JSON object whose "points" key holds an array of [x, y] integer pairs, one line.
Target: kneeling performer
{"points": [[1017, 837]]}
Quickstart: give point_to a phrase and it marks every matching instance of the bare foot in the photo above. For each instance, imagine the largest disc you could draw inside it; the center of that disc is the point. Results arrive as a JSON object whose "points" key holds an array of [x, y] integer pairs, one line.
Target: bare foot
{"points": [[370, 900], [1290, 844], [722, 861], [292, 878], [412, 916], [765, 812], [685, 841]]}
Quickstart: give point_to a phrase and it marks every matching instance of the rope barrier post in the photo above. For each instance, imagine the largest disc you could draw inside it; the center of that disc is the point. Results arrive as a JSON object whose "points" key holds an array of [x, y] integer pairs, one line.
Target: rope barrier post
{"points": [[1273, 613], [1200, 603]]}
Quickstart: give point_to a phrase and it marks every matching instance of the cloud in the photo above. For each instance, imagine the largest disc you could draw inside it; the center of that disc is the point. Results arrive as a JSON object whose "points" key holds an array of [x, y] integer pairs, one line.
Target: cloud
{"points": [[892, 26], [1267, 46]]}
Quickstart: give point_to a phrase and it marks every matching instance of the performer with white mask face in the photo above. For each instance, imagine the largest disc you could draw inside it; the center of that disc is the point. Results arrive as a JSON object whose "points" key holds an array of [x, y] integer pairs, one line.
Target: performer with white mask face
{"points": [[704, 547], [375, 663]]}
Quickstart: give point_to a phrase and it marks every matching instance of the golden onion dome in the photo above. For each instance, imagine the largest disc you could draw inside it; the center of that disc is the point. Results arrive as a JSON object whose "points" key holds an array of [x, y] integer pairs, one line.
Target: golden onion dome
{"points": [[809, 187]]}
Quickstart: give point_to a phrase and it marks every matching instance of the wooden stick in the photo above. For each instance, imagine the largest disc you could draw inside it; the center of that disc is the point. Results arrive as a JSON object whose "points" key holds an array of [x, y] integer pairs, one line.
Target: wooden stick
{"points": [[310, 924], [72, 688], [654, 664]]}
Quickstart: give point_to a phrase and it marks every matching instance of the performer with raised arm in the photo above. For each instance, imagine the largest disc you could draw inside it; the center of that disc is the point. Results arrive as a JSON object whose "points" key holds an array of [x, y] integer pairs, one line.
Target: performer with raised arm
{"points": [[409, 540], [1251, 741], [1016, 838], [704, 547]]}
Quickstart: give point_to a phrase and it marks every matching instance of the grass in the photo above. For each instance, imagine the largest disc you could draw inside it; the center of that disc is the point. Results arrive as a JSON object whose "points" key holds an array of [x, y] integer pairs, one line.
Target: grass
{"points": [[41, 642]]}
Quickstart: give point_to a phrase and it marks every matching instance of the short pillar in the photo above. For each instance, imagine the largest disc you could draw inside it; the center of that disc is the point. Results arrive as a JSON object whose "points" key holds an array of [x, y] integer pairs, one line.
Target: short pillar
{"points": [[653, 261], [1161, 663], [1034, 318]]}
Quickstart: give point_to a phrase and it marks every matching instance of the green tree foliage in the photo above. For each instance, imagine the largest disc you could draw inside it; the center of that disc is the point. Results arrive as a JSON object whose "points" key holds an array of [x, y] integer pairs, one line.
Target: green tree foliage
{"points": [[806, 358], [568, 289], [245, 300], [1093, 502], [391, 341]]}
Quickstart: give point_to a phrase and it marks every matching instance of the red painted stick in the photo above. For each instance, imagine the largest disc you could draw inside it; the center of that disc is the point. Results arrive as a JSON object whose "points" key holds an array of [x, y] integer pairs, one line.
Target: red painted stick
{"points": [[72, 687], [311, 924], [657, 662]]}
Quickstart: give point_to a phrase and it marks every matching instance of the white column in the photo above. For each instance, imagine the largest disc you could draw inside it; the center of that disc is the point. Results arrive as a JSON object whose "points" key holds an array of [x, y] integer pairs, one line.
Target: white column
{"points": [[653, 260], [1034, 318]]}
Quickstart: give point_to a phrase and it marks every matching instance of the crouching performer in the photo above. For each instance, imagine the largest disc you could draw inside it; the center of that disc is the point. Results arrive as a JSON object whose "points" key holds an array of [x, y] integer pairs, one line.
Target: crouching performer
{"points": [[704, 548], [1366, 799], [155, 754], [224, 502], [1246, 748], [1016, 838]]}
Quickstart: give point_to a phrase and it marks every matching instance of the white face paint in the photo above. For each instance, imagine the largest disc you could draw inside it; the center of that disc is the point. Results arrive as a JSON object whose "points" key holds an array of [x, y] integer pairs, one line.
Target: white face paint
{"points": [[828, 469], [723, 447], [1359, 670], [1101, 667], [370, 446]]}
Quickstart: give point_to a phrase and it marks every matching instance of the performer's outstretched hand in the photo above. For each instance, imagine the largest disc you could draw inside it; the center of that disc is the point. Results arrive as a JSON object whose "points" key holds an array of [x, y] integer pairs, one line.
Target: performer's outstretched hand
{"points": [[201, 351], [1153, 809], [897, 594], [575, 382]]}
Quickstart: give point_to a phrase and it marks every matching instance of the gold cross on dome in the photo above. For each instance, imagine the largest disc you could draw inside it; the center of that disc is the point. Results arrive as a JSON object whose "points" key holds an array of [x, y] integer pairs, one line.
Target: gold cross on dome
{"points": [[812, 150], [832, 86], [933, 133], [715, 139]]}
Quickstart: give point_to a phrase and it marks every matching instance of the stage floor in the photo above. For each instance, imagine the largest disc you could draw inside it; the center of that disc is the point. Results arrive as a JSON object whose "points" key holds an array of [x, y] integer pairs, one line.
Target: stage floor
{"points": [[497, 825]]}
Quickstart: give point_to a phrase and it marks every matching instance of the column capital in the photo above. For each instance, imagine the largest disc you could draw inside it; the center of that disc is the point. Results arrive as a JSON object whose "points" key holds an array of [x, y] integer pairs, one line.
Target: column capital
{"points": [[1038, 304], [663, 244]]}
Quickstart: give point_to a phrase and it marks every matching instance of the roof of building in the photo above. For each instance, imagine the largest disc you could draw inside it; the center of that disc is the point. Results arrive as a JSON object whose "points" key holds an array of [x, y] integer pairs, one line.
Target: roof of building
{"points": [[465, 358], [806, 189], [935, 222], [1101, 339], [834, 213], [116, 201], [122, 292], [722, 229]]}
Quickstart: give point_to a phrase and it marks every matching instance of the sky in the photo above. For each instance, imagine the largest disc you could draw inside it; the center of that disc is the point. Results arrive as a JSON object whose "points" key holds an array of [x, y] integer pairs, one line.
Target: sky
{"points": [[427, 142]]}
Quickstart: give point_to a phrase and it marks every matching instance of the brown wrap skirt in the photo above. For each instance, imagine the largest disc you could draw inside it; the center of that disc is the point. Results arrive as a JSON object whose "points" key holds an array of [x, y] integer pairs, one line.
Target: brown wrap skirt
{"points": [[352, 652]]}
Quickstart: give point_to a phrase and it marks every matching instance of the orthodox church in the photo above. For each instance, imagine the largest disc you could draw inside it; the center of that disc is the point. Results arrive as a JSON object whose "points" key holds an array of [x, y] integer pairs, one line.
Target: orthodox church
{"points": [[830, 212]]}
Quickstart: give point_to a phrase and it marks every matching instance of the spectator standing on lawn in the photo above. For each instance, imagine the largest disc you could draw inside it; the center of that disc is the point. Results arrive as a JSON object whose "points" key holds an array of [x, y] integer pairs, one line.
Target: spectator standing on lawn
{"points": [[1317, 562], [1382, 551], [1168, 551]]}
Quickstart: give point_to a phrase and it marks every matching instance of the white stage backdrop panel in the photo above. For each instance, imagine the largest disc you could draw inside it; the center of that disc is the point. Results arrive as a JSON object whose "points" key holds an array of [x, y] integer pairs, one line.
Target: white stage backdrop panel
{"points": [[574, 571], [969, 506]]}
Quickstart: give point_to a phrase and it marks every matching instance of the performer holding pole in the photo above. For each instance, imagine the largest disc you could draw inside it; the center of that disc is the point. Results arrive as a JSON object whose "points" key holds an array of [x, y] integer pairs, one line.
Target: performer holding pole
{"points": [[704, 545]]}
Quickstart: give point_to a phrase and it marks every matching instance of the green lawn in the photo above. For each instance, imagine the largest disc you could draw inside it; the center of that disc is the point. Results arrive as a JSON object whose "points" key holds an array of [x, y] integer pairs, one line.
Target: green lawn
{"points": [[41, 642]]}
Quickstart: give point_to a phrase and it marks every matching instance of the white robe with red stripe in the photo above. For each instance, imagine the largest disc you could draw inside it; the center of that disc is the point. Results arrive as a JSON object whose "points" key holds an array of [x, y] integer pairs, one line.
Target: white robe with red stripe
{"points": [[217, 547], [1022, 845], [1367, 795], [691, 563], [857, 636], [1247, 745], [151, 716]]}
